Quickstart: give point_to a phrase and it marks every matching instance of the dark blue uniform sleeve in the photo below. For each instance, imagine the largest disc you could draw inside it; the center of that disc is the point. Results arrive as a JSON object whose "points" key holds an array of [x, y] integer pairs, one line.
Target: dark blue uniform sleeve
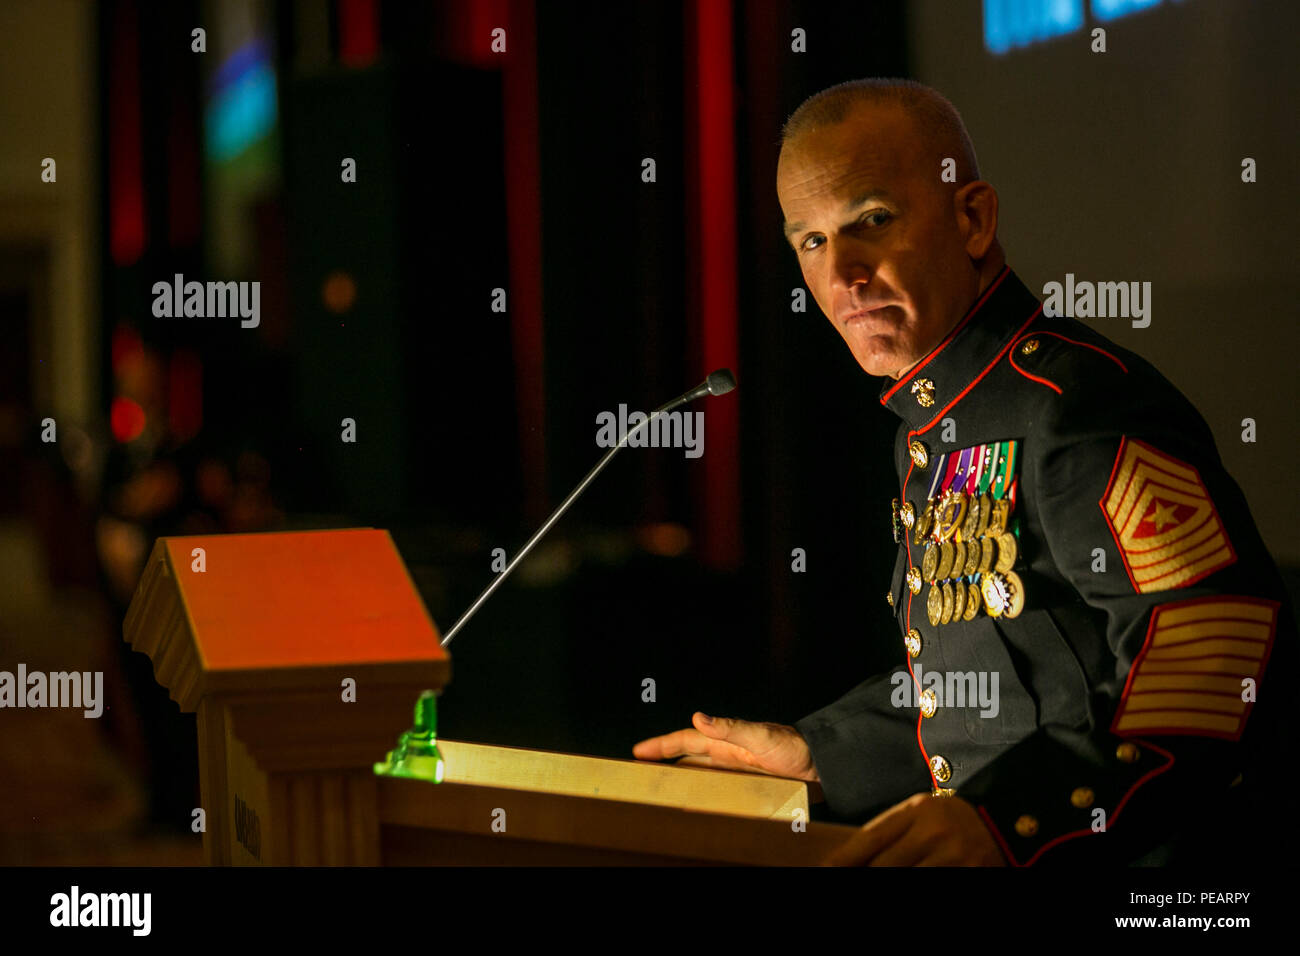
{"points": [[1125, 496], [865, 749]]}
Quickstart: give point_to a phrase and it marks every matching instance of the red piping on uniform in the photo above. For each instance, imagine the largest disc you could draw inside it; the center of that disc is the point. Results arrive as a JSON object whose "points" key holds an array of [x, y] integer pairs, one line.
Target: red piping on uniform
{"points": [[912, 434], [1041, 381], [948, 338], [962, 394], [1050, 384], [907, 622], [988, 820], [1086, 345]]}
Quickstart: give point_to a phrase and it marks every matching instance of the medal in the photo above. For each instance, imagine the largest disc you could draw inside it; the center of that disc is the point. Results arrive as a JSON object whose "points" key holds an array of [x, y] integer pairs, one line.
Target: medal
{"points": [[985, 512], [998, 520], [946, 596], [970, 529], [959, 559], [947, 554], [1003, 594], [959, 593], [933, 606], [930, 562], [972, 601], [923, 524], [950, 515], [1007, 550]]}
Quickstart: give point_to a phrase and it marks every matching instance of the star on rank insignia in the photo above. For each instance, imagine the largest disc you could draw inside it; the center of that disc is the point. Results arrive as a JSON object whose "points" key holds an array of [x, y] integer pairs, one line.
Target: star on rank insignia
{"points": [[1163, 520]]}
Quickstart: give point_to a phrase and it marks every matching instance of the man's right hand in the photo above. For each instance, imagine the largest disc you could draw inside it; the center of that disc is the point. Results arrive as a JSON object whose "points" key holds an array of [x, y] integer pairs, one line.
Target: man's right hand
{"points": [[735, 745]]}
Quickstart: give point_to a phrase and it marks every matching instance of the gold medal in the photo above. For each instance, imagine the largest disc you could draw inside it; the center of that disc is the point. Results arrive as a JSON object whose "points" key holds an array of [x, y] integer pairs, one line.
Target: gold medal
{"points": [[1007, 550], [947, 552], [946, 595], [1016, 599], [958, 601], [972, 526], [992, 596], [933, 605], [998, 520], [930, 562], [951, 514], [1004, 594], [959, 559], [923, 523], [972, 601], [986, 556], [972, 558], [986, 512]]}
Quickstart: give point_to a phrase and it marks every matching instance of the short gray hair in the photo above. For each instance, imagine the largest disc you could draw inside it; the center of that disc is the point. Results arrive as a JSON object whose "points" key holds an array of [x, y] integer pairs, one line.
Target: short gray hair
{"points": [[933, 114]]}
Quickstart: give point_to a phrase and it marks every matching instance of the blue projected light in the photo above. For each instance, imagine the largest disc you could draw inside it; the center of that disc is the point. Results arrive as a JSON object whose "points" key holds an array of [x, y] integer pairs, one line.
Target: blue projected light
{"points": [[1014, 23], [1113, 9], [242, 107]]}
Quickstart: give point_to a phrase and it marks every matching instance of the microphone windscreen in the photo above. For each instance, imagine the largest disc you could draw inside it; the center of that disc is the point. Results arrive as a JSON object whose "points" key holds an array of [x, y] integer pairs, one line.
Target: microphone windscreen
{"points": [[721, 381]]}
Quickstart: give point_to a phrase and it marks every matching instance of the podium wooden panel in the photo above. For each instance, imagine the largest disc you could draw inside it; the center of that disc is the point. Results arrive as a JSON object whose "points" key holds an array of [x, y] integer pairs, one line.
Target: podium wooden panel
{"points": [[263, 634]]}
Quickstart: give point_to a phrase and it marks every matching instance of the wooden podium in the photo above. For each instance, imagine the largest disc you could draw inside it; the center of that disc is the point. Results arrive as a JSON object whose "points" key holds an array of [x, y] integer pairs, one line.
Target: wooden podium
{"points": [[303, 654]]}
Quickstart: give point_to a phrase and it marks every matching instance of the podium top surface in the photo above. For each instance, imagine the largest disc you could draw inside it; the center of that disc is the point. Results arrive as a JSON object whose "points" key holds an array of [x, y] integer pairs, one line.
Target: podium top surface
{"points": [[295, 599]]}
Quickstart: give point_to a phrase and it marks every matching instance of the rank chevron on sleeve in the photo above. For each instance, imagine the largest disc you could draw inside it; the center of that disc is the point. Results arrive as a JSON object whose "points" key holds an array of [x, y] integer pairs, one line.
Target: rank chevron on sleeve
{"points": [[1165, 525]]}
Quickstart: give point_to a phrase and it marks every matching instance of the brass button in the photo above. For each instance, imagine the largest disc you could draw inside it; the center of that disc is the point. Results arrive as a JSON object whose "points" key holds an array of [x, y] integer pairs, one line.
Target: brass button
{"points": [[1082, 797], [913, 643], [920, 454], [939, 767], [1026, 826], [889, 597], [1127, 752], [908, 514], [1029, 347], [914, 579], [942, 792], [923, 389], [929, 703]]}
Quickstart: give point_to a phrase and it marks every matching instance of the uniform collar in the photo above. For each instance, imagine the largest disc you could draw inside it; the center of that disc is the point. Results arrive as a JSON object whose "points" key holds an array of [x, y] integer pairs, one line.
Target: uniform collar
{"points": [[965, 353]]}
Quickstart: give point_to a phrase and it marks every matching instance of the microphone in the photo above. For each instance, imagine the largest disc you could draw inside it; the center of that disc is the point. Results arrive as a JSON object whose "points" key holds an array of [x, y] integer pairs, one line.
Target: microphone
{"points": [[718, 383]]}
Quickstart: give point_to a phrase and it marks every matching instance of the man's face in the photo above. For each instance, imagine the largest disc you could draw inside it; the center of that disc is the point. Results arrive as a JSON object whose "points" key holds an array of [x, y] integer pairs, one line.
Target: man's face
{"points": [[877, 236]]}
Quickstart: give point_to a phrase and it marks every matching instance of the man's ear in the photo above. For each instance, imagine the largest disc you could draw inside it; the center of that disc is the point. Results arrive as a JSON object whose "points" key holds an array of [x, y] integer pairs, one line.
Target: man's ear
{"points": [[976, 208]]}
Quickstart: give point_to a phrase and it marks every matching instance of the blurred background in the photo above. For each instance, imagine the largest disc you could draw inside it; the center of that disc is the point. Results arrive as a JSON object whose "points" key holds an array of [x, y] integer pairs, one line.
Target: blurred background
{"points": [[520, 169]]}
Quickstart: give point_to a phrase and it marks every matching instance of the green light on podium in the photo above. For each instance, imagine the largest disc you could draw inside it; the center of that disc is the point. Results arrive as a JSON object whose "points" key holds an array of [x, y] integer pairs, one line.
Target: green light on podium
{"points": [[416, 754]]}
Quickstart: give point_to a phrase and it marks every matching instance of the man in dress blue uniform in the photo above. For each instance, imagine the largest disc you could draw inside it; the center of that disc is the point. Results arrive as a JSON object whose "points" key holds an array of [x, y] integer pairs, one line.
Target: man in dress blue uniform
{"points": [[1092, 632]]}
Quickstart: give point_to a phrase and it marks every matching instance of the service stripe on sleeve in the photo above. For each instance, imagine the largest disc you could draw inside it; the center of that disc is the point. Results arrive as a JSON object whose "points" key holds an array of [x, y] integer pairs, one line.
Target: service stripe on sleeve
{"points": [[1188, 677]]}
